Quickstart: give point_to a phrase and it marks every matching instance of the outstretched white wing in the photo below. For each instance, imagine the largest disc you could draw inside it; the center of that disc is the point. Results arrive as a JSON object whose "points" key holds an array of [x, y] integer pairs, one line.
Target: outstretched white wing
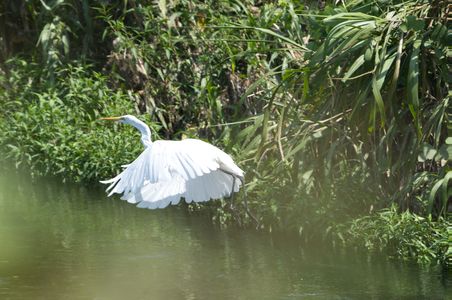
{"points": [[168, 170]]}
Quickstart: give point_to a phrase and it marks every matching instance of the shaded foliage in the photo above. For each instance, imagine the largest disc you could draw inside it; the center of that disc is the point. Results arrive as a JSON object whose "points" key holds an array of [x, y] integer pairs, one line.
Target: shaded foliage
{"points": [[405, 235], [360, 91]]}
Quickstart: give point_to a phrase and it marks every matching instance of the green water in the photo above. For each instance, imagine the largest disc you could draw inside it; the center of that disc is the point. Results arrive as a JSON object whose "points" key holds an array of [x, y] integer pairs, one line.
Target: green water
{"points": [[61, 241]]}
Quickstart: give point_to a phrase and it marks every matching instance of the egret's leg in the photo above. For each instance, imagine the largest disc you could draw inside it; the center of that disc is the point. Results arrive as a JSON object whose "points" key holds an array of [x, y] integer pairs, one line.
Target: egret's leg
{"points": [[245, 201], [231, 203], [232, 192], [248, 212], [233, 209]]}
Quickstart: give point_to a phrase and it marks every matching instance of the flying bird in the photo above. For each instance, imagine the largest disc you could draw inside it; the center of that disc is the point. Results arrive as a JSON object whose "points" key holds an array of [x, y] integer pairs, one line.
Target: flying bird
{"points": [[167, 171]]}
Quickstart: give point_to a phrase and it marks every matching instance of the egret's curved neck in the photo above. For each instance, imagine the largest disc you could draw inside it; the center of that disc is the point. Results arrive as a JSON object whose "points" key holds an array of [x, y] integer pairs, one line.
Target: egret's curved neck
{"points": [[145, 132]]}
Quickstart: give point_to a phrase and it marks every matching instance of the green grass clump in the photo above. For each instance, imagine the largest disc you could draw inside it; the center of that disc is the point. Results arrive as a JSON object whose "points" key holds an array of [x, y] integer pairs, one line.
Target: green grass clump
{"points": [[401, 234], [54, 129]]}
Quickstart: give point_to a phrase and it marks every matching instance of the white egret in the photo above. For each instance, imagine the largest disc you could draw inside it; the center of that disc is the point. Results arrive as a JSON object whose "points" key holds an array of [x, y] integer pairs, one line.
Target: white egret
{"points": [[167, 171]]}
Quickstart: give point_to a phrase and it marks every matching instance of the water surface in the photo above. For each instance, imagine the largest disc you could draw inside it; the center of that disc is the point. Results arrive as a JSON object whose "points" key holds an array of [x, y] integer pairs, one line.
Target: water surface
{"points": [[62, 241]]}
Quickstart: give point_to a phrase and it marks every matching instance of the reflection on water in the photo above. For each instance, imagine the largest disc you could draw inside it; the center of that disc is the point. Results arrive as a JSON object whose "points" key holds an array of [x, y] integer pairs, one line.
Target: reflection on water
{"points": [[60, 241]]}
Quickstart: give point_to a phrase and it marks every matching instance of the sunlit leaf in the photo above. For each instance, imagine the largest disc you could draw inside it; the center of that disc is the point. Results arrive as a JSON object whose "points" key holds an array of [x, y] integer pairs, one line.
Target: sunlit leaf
{"points": [[427, 153], [413, 79]]}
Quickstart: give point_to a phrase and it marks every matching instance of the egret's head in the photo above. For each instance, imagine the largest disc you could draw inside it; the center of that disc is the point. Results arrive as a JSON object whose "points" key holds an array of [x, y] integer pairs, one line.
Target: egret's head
{"points": [[126, 119], [135, 122]]}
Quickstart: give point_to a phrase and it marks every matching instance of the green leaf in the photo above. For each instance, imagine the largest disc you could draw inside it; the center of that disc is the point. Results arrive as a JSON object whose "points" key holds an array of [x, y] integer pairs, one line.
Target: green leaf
{"points": [[427, 153], [269, 32], [444, 152], [348, 16], [65, 41], [413, 79], [162, 7], [44, 36], [444, 191], [412, 22], [172, 19], [377, 85], [298, 147], [48, 8], [355, 66], [306, 175]]}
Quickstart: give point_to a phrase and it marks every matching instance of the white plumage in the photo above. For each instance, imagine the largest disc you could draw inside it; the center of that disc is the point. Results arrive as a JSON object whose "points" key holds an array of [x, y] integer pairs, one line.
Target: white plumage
{"points": [[167, 171]]}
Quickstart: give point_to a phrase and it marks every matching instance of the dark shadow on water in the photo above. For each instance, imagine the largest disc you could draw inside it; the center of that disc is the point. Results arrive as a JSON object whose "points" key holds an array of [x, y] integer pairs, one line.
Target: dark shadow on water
{"points": [[65, 241]]}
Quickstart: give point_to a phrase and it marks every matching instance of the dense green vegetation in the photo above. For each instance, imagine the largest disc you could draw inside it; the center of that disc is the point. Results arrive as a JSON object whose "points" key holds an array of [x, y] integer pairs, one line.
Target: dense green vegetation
{"points": [[339, 114]]}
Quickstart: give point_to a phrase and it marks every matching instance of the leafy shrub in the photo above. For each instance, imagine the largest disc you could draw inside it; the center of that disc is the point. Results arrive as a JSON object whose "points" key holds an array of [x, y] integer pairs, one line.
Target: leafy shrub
{"points": [[401, 234], [54, 130]]}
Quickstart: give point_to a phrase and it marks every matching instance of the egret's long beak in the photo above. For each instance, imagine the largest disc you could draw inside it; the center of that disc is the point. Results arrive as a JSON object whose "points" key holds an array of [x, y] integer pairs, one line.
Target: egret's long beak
{"points": [[111, 118]]}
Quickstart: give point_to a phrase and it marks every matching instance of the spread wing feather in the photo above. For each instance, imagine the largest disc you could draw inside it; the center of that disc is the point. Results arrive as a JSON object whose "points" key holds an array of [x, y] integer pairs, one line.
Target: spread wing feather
{"points": [[166, 171]]}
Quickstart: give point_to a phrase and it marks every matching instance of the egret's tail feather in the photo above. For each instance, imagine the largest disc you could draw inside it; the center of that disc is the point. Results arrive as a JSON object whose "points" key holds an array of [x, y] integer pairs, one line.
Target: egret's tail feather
{"points": [[107, 181]]}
